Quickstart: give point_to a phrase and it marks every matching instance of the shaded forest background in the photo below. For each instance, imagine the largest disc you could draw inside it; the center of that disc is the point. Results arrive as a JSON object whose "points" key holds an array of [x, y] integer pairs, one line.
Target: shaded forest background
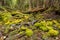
{"points": [[30, 5]]}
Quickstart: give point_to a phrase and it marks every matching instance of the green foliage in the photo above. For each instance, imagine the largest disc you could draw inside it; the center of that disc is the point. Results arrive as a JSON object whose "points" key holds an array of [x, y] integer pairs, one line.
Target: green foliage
{"points": [[16, 22], [49, 23], [53, 32], [44, 25], [29, 32], [5, 15], [23, 28], [44, 28], [37, 24], [50, 33], [21, 33]]}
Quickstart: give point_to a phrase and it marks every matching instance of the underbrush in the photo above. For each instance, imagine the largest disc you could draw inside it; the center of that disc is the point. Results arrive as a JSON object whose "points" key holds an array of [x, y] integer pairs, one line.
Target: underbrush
{"points": [[16, 25]]}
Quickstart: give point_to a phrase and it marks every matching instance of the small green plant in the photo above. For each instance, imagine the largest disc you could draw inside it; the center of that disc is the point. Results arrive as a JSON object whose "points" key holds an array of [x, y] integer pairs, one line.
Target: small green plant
{"points": [[53, 32], [23, 28], [44, 28], [37, 25], [4, 16], [29, 32], [44, 25], [49, 23]]}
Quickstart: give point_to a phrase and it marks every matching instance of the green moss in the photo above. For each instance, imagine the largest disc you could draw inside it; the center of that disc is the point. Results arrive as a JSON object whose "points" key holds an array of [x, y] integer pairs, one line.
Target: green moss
{"points": [[49, 23], [44, 28], [23, 28], [29, 32], [47, 26], [37, 24], [53, 32]]}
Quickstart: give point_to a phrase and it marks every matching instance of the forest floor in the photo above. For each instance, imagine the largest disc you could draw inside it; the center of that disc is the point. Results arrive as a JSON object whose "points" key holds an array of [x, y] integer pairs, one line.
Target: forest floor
{"points": [[34, 26]]}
